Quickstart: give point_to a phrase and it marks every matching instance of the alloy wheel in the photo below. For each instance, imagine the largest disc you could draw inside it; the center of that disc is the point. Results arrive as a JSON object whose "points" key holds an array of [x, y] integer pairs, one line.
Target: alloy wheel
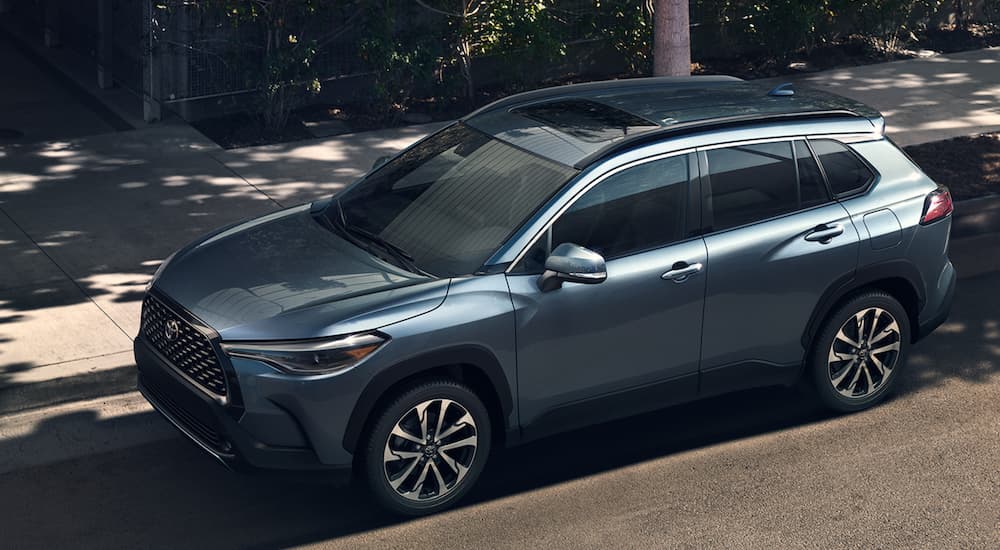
{"points": [[864, 353], [430, 450]]}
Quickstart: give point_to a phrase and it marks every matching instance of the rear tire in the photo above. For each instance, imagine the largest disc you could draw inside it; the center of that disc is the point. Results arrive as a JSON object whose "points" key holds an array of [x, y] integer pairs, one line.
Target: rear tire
{"points": [[858, 352], [410, 467]]}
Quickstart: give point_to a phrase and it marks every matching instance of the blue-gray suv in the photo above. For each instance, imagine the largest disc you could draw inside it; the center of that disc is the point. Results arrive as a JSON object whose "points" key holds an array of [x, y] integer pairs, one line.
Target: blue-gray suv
{"points": [[555, 259]]}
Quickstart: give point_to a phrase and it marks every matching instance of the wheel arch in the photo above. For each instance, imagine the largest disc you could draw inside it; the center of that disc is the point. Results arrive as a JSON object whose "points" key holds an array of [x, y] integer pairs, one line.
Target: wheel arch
{"points": [[472, 365], [898, 278]]}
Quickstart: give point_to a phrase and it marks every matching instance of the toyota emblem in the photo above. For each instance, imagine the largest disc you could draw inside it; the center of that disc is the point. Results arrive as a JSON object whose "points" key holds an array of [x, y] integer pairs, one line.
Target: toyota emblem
{"points": [[171, 330]]}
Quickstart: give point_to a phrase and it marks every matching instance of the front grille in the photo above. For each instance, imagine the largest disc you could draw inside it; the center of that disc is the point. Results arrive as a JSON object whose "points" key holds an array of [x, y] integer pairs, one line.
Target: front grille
{"points": [[190, 422], [187, 349]]}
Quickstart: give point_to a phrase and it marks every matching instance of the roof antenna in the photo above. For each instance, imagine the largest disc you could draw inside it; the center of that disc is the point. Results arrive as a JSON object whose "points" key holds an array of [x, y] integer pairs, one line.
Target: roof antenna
{"points": [[782, 90]]}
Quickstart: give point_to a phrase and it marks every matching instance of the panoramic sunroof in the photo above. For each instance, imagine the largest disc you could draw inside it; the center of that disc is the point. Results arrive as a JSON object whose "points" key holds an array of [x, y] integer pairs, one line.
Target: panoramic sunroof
{"points": [[586, 120]]}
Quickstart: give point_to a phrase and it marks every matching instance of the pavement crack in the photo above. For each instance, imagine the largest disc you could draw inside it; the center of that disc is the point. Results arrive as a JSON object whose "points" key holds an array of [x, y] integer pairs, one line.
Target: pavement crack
{"points": [[238, 175], [66, 274]]}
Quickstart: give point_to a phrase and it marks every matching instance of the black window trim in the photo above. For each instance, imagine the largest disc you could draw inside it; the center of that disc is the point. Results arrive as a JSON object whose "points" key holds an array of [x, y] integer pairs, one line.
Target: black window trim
{"points": [[706, 184], [862, 190], [693, 221]]}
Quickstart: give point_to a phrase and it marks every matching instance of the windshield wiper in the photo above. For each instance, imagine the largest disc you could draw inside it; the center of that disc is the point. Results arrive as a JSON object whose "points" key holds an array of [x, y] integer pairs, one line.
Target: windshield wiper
{"points": [[401, 255]]}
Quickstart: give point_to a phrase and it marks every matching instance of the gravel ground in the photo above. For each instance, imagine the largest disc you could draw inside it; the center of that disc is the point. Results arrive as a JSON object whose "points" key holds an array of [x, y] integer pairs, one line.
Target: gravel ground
{"points": [[969, 166]]}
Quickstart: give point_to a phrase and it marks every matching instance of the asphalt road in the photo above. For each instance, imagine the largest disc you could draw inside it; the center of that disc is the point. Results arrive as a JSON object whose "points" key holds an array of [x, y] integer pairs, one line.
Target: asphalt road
{"points": [[759, 469]]}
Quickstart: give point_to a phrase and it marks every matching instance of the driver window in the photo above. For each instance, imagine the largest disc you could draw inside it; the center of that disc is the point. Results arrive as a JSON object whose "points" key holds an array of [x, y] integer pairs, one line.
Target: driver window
{"points": [[638, 209]]}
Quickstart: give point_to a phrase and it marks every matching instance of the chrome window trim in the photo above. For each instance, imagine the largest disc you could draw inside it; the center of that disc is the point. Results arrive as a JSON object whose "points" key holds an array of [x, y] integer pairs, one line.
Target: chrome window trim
{"points": [[848, 138], [743, 142], [587, 187]]}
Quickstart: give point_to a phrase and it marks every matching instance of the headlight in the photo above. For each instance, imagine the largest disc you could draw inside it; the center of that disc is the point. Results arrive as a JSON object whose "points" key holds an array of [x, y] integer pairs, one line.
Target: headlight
{"points": [[311, 356]]}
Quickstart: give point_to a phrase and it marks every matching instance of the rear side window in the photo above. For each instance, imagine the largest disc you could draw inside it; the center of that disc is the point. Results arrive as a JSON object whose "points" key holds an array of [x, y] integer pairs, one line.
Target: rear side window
{"points": [[751, 182], [845, 171]]}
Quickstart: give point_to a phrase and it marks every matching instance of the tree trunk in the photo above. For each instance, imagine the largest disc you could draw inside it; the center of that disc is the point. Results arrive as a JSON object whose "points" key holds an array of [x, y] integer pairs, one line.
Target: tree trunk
{"points": [[465, 66], [671, 38]]}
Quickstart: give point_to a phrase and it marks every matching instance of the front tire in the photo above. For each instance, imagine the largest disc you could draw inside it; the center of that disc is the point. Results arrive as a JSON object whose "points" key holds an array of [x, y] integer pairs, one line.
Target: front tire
{"points": [[427, 447], [859, 351]]}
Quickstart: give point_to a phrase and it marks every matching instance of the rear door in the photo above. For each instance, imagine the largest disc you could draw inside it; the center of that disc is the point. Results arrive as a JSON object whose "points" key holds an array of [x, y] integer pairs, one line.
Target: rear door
{"points": [[776, 240]]}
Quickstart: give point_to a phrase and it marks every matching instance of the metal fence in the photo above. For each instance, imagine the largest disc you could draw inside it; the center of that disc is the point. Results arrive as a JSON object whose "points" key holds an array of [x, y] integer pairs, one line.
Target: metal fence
{"points": [[197, 57], [203, 56]]}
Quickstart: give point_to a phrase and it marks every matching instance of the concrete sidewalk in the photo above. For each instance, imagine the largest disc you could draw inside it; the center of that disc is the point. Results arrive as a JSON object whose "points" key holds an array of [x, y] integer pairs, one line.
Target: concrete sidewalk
{"points": [[85, 222], [926, 99]]}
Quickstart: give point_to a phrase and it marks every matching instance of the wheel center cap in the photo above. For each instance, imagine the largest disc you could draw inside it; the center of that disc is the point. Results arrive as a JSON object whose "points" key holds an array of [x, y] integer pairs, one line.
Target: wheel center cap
{"points": [[430, 450]]}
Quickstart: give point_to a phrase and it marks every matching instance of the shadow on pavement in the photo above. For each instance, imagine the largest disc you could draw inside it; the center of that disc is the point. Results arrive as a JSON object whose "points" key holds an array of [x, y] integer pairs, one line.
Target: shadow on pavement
{"points": [[169, 494]]}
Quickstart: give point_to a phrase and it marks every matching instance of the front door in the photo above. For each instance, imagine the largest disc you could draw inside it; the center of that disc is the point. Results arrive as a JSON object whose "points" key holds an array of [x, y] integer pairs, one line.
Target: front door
{"points": [[638, 330]]}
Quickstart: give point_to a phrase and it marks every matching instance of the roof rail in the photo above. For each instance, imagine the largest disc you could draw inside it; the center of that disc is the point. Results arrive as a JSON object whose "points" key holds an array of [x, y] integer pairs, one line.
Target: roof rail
{"points": [[575, 90], [708, 124]]}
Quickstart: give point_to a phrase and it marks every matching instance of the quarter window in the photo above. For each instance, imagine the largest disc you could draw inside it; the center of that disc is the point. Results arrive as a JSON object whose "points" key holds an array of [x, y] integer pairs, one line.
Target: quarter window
{"points": [[844, 170]]}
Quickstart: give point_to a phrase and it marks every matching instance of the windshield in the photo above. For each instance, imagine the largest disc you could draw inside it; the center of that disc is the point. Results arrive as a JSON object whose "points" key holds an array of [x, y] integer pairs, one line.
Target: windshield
{"points": [[450, 201]]}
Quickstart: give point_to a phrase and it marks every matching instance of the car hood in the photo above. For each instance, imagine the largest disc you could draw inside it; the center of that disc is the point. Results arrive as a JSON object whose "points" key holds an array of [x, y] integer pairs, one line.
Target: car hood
{"points": [[284, 276]]}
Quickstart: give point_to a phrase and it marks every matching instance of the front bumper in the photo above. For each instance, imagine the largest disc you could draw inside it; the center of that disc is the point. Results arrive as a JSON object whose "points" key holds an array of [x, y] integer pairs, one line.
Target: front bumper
{"points": [[213, 426]]}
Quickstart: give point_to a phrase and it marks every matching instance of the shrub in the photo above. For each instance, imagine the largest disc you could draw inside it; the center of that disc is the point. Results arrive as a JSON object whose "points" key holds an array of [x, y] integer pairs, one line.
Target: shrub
{"points": [[887, 25], [277, 42]]}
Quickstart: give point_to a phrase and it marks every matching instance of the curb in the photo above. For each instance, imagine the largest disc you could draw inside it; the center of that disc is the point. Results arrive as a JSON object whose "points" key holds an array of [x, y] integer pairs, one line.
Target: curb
{"points": [[17, 398], [74, 430], [976, 217]]}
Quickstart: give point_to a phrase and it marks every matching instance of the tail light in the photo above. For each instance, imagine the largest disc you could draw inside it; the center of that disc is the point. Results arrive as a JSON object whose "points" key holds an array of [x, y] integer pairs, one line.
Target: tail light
{"points": [[937, 205]]}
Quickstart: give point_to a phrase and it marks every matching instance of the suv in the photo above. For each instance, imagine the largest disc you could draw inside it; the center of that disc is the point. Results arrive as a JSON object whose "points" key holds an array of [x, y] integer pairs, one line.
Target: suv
{"points": [[558, 258]]}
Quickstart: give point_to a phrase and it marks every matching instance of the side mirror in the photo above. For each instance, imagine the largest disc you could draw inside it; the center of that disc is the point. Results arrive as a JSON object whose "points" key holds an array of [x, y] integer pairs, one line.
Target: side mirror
{"points": [[380, 161], [574, 264]]}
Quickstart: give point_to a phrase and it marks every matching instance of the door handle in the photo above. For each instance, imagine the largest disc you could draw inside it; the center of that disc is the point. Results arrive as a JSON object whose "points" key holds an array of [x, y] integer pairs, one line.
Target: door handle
{"points": [[824, 233], [681, 271]]}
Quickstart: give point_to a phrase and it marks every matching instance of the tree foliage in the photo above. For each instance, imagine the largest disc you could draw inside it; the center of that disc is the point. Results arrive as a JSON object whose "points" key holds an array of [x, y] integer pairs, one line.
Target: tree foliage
{"points": [[435, 46], [277, 42]]}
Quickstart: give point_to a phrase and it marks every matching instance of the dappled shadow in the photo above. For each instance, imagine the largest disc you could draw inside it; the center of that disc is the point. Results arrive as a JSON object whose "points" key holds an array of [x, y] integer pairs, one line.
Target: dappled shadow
{"points": [[85, 223], [92, 219], [972, 334], [303, 171], [141, 496], [923, 99]]}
